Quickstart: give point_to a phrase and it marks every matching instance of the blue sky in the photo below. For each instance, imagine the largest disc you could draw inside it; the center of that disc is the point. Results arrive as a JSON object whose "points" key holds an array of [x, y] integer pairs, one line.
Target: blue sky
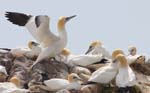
{"points": [[116, 23]]}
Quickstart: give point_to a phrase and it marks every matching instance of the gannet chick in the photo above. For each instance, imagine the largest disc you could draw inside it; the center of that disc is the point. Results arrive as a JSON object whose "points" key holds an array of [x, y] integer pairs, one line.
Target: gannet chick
{"points": [[33, 50], [96, 47], [56, 46], [133, 56], [56, 84], [125, 77], [80, 60], [105, 74], [3, 74]]}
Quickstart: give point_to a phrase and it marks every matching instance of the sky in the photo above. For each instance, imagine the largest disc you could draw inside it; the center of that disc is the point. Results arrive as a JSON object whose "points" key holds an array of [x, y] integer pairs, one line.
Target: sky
{"points": [[116, 23]]}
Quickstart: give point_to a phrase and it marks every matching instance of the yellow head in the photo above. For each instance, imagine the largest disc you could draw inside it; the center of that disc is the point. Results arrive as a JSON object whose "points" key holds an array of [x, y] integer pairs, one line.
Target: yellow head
{"points": [[65, 52], [96, 43], [73, 77], [116, 52], [31, 44], [93, 45], [122, 59], [62, 21], [15, 80]]}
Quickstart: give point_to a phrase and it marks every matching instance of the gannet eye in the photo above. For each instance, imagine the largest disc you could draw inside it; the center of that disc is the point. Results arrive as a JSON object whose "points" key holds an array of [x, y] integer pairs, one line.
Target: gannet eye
{"points": [[114, 61]]}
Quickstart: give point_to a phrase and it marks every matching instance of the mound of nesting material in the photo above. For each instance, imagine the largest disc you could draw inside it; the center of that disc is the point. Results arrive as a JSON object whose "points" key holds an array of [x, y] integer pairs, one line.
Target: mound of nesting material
{"points": [[141, 68]]}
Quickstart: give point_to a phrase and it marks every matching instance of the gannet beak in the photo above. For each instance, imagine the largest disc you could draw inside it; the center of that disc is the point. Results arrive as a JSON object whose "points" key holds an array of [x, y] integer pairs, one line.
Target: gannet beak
{"points": [[114, 61], [80, 79], [89, 50], [68, 18]]}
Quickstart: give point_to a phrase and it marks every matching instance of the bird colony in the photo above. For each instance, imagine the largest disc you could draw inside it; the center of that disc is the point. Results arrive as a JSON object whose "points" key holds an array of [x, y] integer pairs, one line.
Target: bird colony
{"points": [[47, 66]]}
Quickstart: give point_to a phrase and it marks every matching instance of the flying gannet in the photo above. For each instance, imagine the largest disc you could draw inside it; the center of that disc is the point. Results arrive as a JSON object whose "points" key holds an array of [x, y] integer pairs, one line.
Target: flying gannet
{"points": [[8, 87], [96, 47], [125, 78], [56, 84]]}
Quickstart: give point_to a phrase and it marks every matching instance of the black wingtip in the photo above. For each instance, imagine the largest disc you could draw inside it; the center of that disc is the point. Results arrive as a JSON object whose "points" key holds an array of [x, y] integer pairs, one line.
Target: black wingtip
{"points": [[17, 18]]}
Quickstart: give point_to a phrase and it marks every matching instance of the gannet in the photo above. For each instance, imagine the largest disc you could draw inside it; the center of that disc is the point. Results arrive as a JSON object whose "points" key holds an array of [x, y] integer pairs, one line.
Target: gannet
{"points": [[56, 84], [56, 46], [80, 60], [105, 74], [96, 47], [32, 50], [38, 26], [8, 87], [125, 77], [133, 56]]}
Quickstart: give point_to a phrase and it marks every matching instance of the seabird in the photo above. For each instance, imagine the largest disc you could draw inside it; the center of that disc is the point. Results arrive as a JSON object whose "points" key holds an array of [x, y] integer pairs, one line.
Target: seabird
{"points": [[96, 47], [33, 49], [125, 77], [80, 60], [133, 56], [105, 74], [38, 26], [56, 46], [56, 84]]}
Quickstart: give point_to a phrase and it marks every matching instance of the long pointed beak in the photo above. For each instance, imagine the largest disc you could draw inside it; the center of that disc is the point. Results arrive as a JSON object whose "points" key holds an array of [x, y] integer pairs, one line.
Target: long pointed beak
{"points": [[89, 50], [68, 18]]}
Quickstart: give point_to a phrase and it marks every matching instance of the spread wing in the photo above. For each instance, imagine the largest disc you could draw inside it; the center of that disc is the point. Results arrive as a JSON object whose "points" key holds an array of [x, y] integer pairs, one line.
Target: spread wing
{"points": [[21, 19], [34, 25], [18, 18]]}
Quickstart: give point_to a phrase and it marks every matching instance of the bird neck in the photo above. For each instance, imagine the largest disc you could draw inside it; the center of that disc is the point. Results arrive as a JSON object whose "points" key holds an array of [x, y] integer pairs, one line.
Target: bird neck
{"points": [[62, 34]]}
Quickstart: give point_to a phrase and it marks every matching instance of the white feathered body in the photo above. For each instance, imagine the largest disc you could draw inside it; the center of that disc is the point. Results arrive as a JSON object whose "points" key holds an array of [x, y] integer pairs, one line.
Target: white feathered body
{"points": [[8, 87], [125, 77], [55, 48], [84, 60], [26, 51], [58, 84], [132, 59], [104, 74]]}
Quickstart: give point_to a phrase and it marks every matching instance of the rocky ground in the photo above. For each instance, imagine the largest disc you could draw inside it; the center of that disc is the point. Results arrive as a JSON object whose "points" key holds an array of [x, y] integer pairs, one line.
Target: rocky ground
{"points": [[20, 66]]}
